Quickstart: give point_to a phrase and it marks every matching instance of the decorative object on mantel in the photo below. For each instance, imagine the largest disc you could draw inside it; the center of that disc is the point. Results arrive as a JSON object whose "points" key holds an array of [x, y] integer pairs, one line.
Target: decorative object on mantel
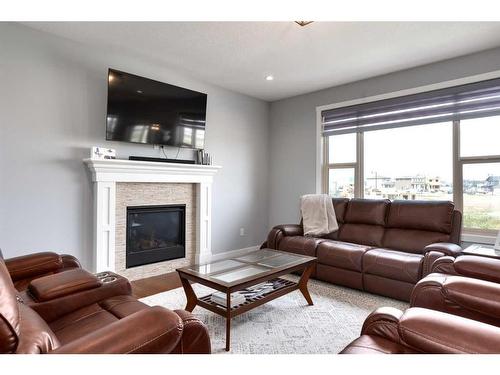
{"points": [[101, 153], [203, 158], [303, 23]]}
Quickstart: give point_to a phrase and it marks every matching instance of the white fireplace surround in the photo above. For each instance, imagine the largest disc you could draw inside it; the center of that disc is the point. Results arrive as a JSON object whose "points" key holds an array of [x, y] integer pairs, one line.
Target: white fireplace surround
{"points": [[105, 175]]}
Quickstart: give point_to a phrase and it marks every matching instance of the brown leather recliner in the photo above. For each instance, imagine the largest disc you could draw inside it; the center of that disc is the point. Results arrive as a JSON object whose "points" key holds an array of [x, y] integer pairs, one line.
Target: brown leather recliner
{"points": [[381, 246], [76, 312], [467, 286], [390, 331], [25, 268]]}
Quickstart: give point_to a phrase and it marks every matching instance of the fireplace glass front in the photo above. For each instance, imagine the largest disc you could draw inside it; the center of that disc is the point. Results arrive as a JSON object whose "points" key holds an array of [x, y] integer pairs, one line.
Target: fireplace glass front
{"points": [[155, 234]]}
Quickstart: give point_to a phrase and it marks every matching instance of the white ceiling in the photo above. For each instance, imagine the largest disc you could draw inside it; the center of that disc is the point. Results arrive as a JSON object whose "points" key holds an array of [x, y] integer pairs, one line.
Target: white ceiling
{"points": [[239, 55]]}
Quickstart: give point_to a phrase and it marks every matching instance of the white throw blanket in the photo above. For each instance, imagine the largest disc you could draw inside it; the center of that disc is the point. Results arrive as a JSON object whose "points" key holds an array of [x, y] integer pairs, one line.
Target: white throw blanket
{"points": [[318, 214]]}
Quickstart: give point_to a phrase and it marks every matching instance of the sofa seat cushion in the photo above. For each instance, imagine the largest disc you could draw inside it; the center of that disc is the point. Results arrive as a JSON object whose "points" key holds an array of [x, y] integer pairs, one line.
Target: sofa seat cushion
{"points": [[93, 317], [342, 254], [300, 245], [394, 265]]}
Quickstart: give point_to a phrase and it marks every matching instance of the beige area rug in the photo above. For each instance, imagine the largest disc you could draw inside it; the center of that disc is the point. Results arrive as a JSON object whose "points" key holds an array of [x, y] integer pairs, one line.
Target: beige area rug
{"points": [[288, 325]]}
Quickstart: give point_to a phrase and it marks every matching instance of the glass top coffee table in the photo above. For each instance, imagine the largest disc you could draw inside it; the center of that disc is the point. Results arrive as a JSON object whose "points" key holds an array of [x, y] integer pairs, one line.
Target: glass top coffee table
{"points": [[245, 282]]}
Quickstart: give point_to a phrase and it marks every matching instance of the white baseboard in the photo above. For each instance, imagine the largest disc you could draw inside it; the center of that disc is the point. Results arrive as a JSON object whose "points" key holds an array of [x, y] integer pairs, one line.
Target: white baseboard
{"points": [[231, 253]]}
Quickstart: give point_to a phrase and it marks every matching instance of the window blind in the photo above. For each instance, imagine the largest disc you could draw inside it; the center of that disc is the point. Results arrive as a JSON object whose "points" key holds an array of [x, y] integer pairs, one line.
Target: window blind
{"points": [[473, 100]]}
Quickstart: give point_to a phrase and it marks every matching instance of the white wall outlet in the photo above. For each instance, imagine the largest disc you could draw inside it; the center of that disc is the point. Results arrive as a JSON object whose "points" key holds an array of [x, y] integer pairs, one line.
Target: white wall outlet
{"points": [[156, 147], [242, 231]]}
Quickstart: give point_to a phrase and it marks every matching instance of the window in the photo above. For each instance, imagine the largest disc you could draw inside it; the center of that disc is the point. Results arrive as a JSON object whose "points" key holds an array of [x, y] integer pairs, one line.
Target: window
{"points": [[407, 163], [440, 145]]}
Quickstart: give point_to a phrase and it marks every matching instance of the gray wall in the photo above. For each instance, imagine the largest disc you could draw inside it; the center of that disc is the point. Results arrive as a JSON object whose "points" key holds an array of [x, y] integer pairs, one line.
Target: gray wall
{"points": [[293, 125], [52, 110]]}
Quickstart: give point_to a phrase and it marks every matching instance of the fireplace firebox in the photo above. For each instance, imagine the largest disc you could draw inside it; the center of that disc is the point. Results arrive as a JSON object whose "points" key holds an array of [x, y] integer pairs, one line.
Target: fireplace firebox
{"points": [[155, 234]]}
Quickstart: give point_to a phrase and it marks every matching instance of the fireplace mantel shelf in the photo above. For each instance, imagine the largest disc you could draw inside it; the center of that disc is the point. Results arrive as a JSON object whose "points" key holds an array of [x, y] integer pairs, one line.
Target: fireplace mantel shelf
{"points": [[105, 175], [119, 170]]}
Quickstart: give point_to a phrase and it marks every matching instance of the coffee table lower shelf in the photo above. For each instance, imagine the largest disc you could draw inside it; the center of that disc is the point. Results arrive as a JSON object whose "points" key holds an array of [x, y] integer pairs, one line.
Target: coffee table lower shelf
{"points": [[286, 287]]}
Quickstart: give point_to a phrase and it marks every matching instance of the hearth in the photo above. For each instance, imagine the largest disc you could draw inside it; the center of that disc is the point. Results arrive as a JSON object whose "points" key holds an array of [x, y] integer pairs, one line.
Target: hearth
{"points": [[155, 234]]}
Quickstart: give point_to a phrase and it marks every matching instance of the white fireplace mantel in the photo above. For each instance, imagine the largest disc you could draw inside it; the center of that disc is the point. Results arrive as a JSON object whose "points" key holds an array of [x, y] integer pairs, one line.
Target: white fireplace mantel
{"points": [[105, 175]]}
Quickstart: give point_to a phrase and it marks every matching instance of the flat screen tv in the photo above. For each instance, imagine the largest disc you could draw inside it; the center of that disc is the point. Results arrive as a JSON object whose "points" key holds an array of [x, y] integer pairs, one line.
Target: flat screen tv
{"points": [[142, 110]]}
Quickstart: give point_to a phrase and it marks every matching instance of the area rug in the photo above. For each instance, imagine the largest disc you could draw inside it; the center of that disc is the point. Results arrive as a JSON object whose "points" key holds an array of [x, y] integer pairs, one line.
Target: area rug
{"points": [[288, 325]]}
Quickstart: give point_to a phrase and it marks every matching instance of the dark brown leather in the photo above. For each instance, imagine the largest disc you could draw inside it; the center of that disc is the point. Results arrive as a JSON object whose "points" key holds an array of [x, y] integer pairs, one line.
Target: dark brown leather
{"points": [[410, 240], [420, 330], [28, 267], [344, 255], [477, 267], [195, 338], [300, 245], [152, 330], [397, 289], [393, 265], [367, 211], [463, 296], [33, 265], [339, 276], [9, 312], [404, 228], [364, 234], [56, 308], [61, 284], [433, 216], [89, 324], [35, 336], [437, 332], [450, 249]]}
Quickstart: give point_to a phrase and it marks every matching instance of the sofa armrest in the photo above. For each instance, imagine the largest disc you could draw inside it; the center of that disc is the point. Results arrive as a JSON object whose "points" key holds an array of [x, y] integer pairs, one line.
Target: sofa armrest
{"points": [[32, 265], [432, 331], [447, 248], [473, 294], [69, 261], [195, 338], [383, 322], [478, 267], [152, 330], [280, 231]]}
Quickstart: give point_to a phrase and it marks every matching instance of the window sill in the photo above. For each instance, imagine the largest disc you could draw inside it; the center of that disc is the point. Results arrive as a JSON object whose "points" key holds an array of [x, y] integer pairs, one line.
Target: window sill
{"points": [[478, 238]]}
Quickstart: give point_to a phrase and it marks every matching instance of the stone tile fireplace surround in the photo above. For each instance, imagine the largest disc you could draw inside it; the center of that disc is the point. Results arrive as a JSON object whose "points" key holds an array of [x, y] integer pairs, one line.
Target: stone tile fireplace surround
{"points": [[122, 183]]}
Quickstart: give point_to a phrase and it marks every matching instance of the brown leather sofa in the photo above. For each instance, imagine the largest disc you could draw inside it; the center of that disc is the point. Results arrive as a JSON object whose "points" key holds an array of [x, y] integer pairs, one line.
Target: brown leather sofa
{"points": [[381, 246], [78, 312], [391, 331], [25, 268], [467, 286]]}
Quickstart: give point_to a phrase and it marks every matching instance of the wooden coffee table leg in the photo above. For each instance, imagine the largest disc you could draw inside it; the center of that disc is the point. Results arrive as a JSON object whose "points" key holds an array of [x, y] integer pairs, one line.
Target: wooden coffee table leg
{"points": [[304, 278], [228, 321], [190, 295]]}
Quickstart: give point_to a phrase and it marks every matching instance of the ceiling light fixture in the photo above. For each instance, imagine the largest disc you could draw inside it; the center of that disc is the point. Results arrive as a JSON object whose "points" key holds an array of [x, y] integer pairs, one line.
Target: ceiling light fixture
{"points": [[303, 23], [269, 78]]}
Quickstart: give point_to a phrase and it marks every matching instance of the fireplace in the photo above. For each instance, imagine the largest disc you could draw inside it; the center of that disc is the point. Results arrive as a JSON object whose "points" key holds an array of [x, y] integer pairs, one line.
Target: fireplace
{"points": [[155, 234]]}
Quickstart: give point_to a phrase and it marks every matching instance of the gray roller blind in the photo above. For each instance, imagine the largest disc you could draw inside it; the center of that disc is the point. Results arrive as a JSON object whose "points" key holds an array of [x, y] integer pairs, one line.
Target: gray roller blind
{"points": [[473, 100]]}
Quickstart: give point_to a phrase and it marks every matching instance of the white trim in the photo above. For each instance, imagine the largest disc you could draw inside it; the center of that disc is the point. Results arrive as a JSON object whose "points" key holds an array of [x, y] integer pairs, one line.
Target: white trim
{"points": [[105, 175], [478, 238]]}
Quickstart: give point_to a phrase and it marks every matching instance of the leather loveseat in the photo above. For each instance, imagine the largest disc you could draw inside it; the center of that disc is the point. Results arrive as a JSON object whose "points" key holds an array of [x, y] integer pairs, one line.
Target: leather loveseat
{"points": [[77, 312], [390, 331], [381, 246]]}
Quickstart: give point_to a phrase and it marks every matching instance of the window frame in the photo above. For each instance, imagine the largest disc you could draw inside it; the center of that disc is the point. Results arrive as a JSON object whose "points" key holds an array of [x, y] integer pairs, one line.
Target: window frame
{"points": [[468, 234]]}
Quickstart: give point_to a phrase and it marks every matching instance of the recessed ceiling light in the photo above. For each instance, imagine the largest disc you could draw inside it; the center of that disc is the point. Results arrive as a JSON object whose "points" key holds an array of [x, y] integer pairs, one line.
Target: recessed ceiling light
{"points": [[269, 78], [139, 91]]}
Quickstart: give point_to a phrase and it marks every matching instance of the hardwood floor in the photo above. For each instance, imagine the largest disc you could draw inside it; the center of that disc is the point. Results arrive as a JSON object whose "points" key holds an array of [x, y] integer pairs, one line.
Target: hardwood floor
{"points": [[155, 284]]}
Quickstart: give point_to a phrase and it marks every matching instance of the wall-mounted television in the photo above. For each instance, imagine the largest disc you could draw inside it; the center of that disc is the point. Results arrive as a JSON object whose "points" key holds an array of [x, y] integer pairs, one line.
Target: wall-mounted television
{"points": [[141, 110]]}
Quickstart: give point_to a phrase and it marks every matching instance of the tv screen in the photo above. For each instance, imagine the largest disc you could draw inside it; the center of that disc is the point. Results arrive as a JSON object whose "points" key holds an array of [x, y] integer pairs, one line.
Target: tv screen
{"points": [[142, 110]]}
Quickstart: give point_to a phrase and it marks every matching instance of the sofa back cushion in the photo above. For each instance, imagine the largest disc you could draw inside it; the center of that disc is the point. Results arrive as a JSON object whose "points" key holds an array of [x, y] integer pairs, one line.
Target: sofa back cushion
{"points": [[433, 216], [412, 225], [364, 221]]}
